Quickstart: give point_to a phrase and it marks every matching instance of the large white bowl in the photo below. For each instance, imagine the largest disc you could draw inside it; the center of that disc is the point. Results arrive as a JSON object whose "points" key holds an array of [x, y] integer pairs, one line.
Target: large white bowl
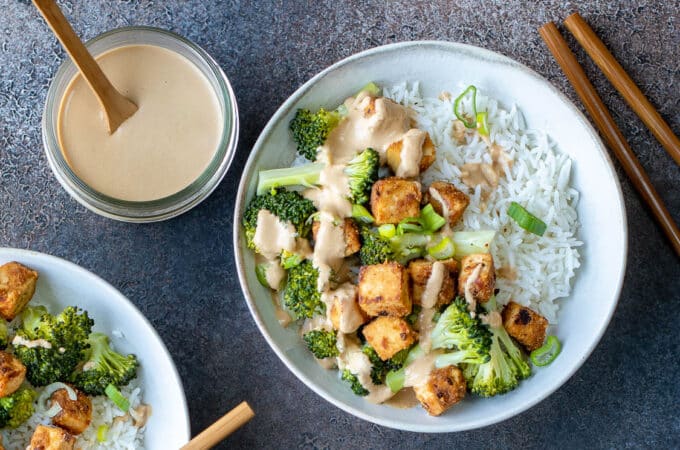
{"points": [[62, 283], [443, 66]]}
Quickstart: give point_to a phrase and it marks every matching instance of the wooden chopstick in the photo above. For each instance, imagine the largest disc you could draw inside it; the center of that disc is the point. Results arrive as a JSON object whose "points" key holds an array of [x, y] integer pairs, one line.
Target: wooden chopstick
{"points": [[623, 83], [219, 430], [605, 123]]}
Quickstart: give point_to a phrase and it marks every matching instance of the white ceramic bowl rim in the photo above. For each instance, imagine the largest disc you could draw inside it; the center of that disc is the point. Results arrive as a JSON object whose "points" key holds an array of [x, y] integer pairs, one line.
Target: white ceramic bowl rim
{"points": [[291, 102], [26, 256]]}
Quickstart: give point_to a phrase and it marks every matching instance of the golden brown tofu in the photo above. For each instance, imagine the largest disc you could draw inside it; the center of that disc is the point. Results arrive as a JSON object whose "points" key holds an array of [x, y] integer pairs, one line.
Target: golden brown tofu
{"points": [[395, 199], [384, 290], [525, 325], [345, 314], [12, 374], [17, 285], [351, 231], [75, 415], [444, 388], [51, 438], [420, 271], [393, 154], [389, 335], [478, 272], [447, 201], [453, 266]]}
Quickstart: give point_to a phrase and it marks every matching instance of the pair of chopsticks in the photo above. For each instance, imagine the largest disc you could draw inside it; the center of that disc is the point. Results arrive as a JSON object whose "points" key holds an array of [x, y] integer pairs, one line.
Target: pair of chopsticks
{"points": [[603, 119], [219, 430]]}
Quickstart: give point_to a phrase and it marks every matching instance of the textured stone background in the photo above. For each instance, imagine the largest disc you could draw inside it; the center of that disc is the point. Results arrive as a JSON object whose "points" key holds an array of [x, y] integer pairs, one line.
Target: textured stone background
{"points": [[181, 273]]}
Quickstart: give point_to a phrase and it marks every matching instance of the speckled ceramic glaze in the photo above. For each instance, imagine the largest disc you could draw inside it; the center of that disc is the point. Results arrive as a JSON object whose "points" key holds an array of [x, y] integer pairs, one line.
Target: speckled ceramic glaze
{"points": [[62, 283], [444, 66]]}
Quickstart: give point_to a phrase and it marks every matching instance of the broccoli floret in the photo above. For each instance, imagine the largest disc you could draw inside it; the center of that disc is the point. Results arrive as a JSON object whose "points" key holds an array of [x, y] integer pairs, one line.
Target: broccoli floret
{"points": [[361, 171], [301, 295], [354, 382], [322, 343], [379, 367], [465, 337], [310, 130], [4, 335], [16, 408], [376, 249], [506, 368], [65, 337], [104, 366], [288, 206]]}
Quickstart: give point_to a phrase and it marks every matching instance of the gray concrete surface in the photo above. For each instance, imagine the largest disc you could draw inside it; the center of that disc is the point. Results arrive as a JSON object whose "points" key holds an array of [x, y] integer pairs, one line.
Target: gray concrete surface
{"points": [[181, 273]]}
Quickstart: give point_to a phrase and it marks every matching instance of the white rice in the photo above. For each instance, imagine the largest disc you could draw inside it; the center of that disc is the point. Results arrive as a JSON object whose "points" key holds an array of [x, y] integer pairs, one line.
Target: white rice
{"points": [[538, 179], [120, 436]]}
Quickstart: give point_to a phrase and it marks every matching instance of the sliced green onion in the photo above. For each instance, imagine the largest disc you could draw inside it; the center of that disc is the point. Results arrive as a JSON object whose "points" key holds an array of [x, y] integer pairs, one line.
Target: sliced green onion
{"points": [[430, 220], [306, 176], [372, 88], [444, 249], [116, 397], [482, 124], [526, 220], [468, 121], [408, 227], [395, 379], [469, 242], [547, 353], [361, 214], [261, 274], [387, 230], [101, 433]]}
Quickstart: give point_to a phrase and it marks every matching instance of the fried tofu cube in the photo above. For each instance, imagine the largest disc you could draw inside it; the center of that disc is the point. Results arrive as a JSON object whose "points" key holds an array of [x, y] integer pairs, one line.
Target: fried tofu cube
{"points": [[478, 275], [384, 290], [525, 325], [12, 374], [453, 266], [344, 311], [447, 201], [389, 335], [51, 438], [420, 271], [429, 154], [395, 199], [75, 415], [444, 388], [17, 286], [351, 231]]}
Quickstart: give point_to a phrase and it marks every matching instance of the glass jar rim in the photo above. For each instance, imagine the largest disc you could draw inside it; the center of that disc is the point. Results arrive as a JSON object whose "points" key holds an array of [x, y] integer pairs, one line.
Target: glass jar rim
{"points": [[166, 207]]}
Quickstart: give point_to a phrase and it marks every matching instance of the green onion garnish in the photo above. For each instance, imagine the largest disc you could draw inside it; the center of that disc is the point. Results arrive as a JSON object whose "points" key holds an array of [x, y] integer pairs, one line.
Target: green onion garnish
{"points": [[547, 353], [116, 397], [468, 121], [444, 249], [430, 220], [482, 124], [526, 220], [387, 231], [361, 214], [101, 433], [407, 226], [372, 89]]}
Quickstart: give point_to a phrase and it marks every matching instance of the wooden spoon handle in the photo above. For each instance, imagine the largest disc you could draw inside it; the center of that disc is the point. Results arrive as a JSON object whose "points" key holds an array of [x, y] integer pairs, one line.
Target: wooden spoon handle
{"points": [[116, 106], [216, 432]]}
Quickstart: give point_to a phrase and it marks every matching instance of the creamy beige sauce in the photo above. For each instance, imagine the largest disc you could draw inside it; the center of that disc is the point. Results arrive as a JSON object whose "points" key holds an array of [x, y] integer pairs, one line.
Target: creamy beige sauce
{"points": [[469, 298], [425, 324], [404, 399], [272, 235], [484, 174], [342, 301], [274, 275], [329, 248], [332, 195], [282, 316], [20, 340], [434, 285], [492, 318], [356, 361], [159, 150], [411, 153], [507, 272], [317, 322], [458, 132], [418, 371], [140, 414]]}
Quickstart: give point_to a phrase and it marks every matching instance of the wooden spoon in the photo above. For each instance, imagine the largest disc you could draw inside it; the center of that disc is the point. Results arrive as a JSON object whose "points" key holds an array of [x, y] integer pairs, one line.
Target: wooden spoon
{"points": [[116, 106], [226, 425]]}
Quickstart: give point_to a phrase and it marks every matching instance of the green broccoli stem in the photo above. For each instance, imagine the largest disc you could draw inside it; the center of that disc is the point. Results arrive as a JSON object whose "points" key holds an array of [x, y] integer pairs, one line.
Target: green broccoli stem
{"points": [[306, 175]]}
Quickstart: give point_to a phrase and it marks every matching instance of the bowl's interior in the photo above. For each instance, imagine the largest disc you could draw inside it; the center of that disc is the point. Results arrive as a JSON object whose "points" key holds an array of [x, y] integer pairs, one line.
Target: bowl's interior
{"points": [[444, 66], [61, 284]]}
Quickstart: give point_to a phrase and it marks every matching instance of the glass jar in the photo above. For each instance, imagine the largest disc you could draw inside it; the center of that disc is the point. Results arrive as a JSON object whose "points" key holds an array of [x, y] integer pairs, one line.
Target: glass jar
{"points": [[179, 202]]}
